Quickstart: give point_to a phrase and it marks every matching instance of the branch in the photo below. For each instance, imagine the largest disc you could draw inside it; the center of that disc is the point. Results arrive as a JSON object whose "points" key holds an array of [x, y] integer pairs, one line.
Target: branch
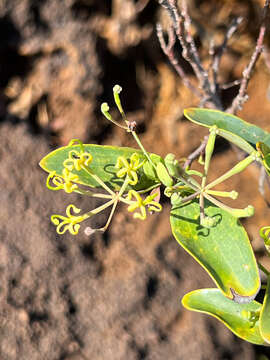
{"points": [[242, 96], [220, 51], [169, 52], [230, 84], [196, 153], [181, 24]]}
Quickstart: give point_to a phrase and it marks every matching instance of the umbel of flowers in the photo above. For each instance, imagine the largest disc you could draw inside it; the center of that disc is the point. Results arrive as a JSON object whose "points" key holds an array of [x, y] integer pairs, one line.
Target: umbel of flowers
{"points": [[180, 185], [69, 182]]}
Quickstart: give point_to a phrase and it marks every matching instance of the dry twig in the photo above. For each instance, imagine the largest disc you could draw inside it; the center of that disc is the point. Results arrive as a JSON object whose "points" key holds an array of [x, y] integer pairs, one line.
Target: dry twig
{"points": [[220, 51], [196, 153], [181, 25], [169, 52], [242, 96], [208, 90]]}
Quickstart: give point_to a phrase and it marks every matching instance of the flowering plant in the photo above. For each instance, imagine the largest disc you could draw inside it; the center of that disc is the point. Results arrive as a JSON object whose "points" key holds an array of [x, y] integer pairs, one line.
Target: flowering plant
{"points": [[208, 229]]}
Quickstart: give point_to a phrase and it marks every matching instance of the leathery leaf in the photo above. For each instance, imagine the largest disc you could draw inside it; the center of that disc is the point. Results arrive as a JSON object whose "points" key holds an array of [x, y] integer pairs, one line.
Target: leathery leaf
{"points": [[264, 151], [241, 319], [103, 165], [224, 250], [228, 122], [265, 314]]}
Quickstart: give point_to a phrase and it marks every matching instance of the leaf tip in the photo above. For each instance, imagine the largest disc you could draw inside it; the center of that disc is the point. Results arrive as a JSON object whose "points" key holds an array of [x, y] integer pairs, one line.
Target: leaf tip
{"points": [[189, 111], [42, 164]]}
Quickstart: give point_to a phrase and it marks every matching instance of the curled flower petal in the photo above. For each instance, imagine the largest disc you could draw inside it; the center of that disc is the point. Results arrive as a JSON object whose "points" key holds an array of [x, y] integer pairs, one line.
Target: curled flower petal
{"points": [[154, 206], [133, 178], [77, 160], [65, 182], [129, 168], [74, 141], [72, 208], [265, 234], [68, 164], [70, 223], [58, 181], [142, 215], [69, 178], [141, 204], [74, 229]]}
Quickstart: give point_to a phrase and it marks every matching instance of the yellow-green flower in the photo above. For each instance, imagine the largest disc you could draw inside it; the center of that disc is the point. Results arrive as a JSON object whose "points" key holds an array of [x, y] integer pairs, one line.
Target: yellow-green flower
{"points": [[70, 223], [65, 182], [140, 203], [265, 233], [76, 160], [129, 168]]}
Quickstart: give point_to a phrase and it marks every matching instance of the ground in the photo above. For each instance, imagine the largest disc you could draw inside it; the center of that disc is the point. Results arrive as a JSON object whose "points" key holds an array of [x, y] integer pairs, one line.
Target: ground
{"points": [[113, 296]]}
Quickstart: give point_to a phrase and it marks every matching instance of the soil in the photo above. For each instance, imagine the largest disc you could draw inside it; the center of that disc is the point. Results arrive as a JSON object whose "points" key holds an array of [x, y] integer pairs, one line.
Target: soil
{"points": [[113, 296]]}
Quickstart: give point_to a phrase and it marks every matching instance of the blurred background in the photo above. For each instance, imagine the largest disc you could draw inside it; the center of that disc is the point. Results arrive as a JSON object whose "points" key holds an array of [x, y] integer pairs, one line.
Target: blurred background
{"points": [[114, 296]]}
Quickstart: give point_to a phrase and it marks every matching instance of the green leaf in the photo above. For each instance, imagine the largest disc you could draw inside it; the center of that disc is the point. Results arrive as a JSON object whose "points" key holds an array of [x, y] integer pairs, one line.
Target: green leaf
{"points": [[224, 250], [103, 165], [228, 122], [265, 314], [264, 150], [241, 319], [163, 175]]}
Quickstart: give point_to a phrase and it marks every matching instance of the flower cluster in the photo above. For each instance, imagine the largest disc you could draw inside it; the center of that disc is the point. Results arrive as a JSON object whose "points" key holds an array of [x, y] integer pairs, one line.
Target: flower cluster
{"points": [[126, 169]]}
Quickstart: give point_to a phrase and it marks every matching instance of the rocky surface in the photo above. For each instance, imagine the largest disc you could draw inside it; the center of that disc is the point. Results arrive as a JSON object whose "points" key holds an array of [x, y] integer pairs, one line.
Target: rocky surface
{"points": [[115, 296]]}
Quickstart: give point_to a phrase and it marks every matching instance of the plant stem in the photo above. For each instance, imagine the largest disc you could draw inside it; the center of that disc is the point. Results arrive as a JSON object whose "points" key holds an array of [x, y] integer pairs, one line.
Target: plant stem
{"points": [[98, 180], [235, 170], [263, 269], [189, 197], [142, 148], [98, 209], [238, 213], [92, 194]]}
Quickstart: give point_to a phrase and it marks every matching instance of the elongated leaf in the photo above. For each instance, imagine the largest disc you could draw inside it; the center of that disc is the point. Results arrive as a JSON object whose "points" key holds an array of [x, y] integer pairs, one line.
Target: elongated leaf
{"points": [[241, 319], [224, 250], [265, 314], [264, 150], [229, 122], [103, 165]]}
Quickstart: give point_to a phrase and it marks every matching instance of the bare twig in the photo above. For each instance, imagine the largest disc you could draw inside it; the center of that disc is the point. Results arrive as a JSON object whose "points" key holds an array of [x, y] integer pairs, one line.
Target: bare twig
{"points": [[186, 21], [218, 54], [169, 52], [181, 24], [211, 53], [208, 80], [242, 96], [230, 84], [196, 153]]}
